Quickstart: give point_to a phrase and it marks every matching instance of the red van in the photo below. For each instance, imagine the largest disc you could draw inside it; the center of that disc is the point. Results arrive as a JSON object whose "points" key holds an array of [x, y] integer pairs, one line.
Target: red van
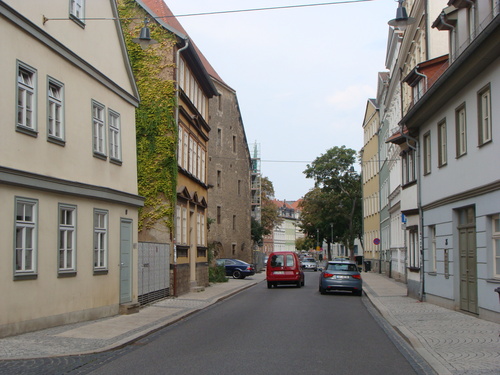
{"points": [[283, 267]]}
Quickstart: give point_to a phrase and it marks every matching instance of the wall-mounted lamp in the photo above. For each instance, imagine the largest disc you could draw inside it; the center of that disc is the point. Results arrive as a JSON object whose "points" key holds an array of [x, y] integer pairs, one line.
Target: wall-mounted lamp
{"points": [[402, 20], [144, 39]]}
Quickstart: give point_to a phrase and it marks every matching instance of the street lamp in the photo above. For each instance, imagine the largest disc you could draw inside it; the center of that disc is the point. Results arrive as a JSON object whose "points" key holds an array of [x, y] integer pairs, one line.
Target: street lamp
{"points": [[144, 39], [402, 20]]}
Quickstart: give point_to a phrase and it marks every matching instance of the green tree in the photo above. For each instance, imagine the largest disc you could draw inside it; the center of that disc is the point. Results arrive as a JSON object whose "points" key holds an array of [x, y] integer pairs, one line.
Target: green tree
{"points": [[268, 212], [336, 198]]}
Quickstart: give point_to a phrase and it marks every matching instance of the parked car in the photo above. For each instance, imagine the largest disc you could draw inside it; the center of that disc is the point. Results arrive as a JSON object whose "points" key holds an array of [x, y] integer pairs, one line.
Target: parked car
{"points": [[283, 267], [341, 275], [236, 268], [309, 264]]}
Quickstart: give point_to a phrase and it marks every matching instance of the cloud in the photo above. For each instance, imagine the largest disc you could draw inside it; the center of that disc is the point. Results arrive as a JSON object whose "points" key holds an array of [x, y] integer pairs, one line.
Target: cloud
{"points": [[351, 97]]}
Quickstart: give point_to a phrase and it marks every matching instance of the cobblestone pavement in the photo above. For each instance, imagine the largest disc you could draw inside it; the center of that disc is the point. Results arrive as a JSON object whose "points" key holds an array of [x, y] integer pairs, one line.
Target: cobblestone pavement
{"points": [[450, 341], [442, 341]]}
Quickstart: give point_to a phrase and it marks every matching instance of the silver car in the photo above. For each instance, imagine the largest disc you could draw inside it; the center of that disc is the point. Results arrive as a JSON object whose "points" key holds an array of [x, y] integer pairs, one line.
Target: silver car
{"points": [[309, 264], [340, 276]]}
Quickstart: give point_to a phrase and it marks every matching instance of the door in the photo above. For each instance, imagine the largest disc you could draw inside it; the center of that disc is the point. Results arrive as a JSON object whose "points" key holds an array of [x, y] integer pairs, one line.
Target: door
{"points": [[125, 261], [468, 260]]}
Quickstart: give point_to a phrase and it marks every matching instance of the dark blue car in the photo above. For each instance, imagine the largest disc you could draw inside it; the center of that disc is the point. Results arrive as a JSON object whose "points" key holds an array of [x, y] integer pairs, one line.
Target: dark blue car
{"points": [[236, 268]]}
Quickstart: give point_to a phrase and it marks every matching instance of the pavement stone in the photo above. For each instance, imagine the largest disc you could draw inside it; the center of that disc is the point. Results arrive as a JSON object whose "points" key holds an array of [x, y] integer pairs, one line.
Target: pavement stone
{"points": [[450, 342]]}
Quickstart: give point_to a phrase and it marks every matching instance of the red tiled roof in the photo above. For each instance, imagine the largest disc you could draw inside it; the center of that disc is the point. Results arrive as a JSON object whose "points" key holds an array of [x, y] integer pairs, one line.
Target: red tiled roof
{"points": [[162, 10]]}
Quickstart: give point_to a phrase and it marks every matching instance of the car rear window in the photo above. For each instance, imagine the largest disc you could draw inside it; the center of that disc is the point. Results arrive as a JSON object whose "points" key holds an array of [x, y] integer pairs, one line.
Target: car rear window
{"points": [[341, 267], [279, 260], [309, 260]]}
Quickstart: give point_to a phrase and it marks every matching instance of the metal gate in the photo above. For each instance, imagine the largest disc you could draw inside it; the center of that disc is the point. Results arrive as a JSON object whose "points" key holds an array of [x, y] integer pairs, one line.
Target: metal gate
{"points": [[154, 271]]}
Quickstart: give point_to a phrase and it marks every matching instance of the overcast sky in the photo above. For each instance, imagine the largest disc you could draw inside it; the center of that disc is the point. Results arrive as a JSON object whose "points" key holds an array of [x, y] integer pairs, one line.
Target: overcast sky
{"points": [[302, 75]]}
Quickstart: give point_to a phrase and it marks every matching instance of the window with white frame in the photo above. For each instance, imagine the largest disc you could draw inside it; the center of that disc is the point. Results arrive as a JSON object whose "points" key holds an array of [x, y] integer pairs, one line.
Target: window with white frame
{"points": [[185, 151], [55, 115], [408, 166], [413, 249], [26, 95], [484, 114], [98, 129], [203, 229], [427, 153], [77, 9], [192, 89], [25, 240], [115, 149], [178, 224], [184, 229], [179, 147], [461, 130], [67, 238], [442, 144], [496, 245], [100, 239], [432, 248]]}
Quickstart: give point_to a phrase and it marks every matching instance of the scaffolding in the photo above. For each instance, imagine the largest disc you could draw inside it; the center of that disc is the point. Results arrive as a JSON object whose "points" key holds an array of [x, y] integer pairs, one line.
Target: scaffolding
{"points": [[256, 182]]}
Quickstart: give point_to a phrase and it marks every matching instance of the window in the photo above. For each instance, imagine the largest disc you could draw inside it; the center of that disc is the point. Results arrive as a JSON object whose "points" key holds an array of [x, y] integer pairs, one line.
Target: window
{"points": [[184, 228], [219, 214], [178, 224], [219, 137], [77, 9], [115, 151], [55, 115], [219, 178], [442, 148], [427, 153], [25, 243], [432, 249], [26, 78], [408, 164], [484, 114], [234, 143], [179, 147], [67, 237], [99, 132], [496, 245], [100, 239], [413, 250], [461, 130], [234, 222]]}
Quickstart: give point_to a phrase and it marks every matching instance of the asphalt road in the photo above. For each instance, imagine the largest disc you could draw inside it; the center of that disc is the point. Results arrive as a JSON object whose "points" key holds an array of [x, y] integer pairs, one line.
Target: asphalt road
{"points": [[284, 330]]}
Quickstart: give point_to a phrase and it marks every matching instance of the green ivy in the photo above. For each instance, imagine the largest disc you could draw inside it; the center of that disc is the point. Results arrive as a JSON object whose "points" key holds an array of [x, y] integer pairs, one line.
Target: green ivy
{"points": [[156, 129]]}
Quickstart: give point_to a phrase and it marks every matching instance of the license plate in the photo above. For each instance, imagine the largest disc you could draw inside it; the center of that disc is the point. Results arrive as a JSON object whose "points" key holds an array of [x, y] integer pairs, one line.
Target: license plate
{"points": [[342, 277], [279, 272]]}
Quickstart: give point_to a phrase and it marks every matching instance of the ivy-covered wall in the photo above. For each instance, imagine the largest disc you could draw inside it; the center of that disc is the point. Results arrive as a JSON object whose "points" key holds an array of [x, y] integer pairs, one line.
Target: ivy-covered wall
{"points": [[156, 130]]}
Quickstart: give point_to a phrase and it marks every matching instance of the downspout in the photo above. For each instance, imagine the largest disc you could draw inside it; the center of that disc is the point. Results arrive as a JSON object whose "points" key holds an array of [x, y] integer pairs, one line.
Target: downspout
{"points": [[442, 17], [420, 211], [421, 75], [177, 88]]}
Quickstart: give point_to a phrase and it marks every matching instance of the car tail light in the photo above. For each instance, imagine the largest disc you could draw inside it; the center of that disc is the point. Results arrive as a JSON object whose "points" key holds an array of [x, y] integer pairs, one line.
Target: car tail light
{"points": [[326, 274], [357, 276]]}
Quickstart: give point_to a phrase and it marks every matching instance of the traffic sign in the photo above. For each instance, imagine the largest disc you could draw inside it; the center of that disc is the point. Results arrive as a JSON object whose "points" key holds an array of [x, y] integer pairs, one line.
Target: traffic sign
{"points": [[376, 241]]}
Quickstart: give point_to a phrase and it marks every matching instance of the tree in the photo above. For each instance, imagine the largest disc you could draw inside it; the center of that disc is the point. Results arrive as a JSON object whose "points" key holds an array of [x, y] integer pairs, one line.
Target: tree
{"points": [[336, 198], [268, 211]]}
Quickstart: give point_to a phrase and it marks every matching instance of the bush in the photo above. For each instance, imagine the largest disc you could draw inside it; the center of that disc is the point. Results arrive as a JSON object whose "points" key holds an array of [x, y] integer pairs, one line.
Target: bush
{"points": [[217, 274]]}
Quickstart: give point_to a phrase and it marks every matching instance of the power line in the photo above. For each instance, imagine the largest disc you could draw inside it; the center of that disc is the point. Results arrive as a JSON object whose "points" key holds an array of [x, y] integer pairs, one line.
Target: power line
{"points": [[45, 19], [265, 9]]}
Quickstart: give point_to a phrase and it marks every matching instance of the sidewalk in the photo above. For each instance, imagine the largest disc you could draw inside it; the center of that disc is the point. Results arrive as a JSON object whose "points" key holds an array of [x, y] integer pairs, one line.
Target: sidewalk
{"points": [[450, 342], [109, 333]]}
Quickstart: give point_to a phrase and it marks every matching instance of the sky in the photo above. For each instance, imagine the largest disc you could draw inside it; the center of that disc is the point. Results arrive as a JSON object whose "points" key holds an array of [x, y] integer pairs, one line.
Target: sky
{"points": [[302, 75]]}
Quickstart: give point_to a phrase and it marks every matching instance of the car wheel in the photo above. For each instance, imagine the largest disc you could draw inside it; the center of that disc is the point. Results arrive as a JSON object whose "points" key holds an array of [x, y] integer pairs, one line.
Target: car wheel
{"points": [[269, 285], [303, 282], [298, 284], [236, 275], [322, 290], [359, 292]]}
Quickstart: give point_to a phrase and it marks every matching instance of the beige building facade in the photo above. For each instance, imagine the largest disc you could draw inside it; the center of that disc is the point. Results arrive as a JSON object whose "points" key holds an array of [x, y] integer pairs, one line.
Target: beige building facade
{"points": [[68, 169]]}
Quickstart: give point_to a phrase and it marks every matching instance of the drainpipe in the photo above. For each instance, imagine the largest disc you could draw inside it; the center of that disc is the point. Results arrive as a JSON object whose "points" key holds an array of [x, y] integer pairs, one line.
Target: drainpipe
{"points": [[177, 88], [421, 75], [420, 211], [442, 17]]}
